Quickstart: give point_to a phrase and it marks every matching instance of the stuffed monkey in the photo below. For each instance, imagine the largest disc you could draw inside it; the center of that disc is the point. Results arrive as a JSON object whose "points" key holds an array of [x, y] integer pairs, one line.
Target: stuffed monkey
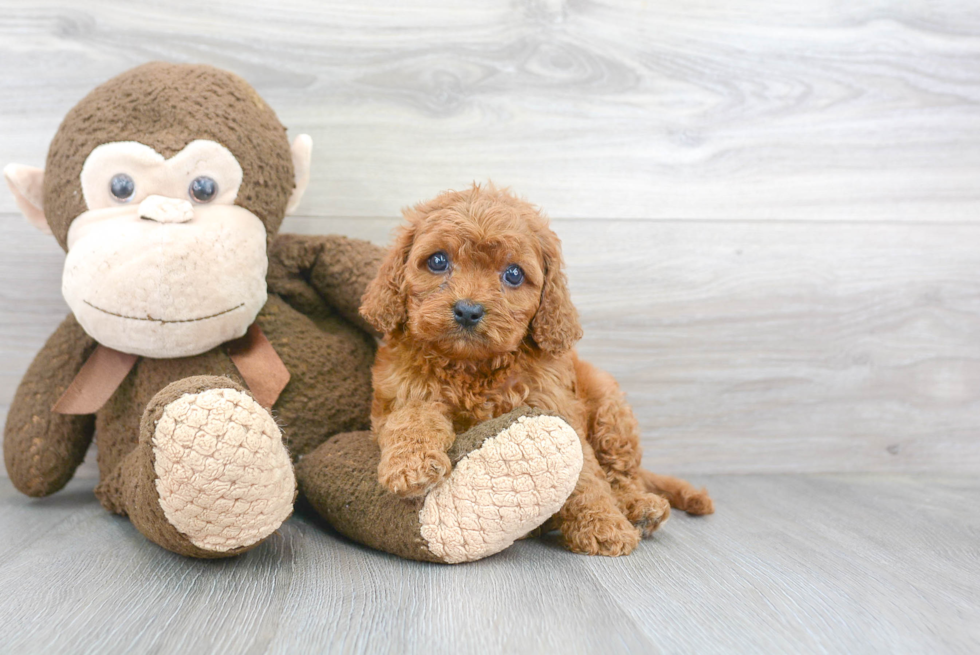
{"points": [[207, 355], [166, 186]]}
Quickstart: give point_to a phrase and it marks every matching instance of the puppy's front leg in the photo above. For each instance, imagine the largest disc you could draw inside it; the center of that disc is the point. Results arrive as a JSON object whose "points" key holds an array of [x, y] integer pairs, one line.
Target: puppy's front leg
{"points": [[413, 441]]}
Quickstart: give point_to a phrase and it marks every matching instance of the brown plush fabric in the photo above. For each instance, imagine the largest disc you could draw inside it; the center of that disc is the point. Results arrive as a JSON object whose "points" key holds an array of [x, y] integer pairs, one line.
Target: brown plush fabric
{"points": [[474, 437], [131, 488], [329, 390], [309, 271], [166, 106], [328, 356], [340, 479], [40, 449]]}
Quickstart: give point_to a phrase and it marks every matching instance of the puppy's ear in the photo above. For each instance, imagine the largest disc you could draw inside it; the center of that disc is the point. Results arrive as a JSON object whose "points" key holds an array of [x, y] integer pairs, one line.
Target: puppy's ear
{"points": [[383, 303], [555, 327]]}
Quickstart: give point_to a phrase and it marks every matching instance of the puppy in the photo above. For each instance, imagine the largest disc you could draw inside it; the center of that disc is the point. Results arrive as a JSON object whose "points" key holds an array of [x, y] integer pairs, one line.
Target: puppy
{"points": [[477, 321]]}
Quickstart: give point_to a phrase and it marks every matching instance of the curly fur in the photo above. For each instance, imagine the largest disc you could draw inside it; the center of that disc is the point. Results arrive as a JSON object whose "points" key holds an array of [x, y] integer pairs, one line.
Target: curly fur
{"points": [[433, 379]]}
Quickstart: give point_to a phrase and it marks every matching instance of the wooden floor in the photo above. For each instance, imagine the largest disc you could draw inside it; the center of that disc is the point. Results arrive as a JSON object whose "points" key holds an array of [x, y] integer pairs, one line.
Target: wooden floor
{"points": [[771, 220], [789, 564]]}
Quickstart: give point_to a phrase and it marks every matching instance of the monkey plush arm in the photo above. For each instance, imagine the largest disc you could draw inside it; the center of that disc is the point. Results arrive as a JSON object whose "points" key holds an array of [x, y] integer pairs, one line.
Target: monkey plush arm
{"points": [[308, 270], [42, 449]]}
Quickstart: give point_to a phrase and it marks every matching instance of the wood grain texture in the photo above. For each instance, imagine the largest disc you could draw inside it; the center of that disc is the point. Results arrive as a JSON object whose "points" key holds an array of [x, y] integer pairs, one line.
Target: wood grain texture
{"points": [[819, 315], [863, 110], [743, 347], [789, 564]]}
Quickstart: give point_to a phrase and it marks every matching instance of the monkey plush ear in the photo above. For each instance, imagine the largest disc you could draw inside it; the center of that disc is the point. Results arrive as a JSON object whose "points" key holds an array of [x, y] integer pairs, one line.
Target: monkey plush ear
{"points": [[27, 185], [302, 151]]}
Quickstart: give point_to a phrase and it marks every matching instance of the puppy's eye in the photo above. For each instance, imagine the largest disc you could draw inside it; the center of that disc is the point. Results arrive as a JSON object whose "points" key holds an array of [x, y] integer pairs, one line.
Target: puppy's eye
{"points": [[438, 262], [203, 189], [122, 187], [514, 276]]}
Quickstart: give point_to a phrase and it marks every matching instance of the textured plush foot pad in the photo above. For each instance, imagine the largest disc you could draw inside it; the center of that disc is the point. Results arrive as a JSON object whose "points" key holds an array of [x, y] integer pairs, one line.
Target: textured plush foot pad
{"points": [[224, 477], [498, 493]]}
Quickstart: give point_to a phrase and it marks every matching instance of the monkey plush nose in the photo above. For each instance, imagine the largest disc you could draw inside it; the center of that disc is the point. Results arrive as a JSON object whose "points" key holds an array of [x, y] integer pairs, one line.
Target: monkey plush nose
{"points": [[467, 313], [166, 210]]}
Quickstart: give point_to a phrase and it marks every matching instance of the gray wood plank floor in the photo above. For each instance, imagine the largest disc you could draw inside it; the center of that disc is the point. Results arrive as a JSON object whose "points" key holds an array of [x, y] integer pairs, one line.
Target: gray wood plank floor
{"points": [[789, 564]]}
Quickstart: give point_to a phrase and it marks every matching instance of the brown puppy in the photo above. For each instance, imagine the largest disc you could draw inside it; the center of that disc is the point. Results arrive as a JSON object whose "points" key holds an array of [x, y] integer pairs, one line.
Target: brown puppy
{"points": [[477, 319]]}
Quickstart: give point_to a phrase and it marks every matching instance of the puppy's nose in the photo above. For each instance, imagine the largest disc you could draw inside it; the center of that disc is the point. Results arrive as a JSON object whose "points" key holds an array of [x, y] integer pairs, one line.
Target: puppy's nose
{"points": [[467, 313], [165, 210]]}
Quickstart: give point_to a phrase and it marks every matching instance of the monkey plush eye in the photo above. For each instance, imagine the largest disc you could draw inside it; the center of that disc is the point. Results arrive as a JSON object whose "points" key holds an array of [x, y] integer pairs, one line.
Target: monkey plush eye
{"points": [[122, 187], [439, 262], [514, 276], [203, 189]]}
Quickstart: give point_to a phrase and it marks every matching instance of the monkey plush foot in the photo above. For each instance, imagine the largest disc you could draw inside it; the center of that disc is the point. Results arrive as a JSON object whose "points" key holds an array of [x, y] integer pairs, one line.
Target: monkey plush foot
{"points": [[222, 472], [509, 476], [502, 490], [210, 477]]}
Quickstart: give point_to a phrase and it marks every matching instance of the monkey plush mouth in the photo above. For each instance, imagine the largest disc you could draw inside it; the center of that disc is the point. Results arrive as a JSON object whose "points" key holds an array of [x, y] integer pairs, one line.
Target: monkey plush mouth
{"points": [[166, 291], [164, 321]]}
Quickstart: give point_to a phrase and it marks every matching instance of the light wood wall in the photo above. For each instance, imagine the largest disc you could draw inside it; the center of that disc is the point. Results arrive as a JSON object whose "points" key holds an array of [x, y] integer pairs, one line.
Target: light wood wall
{"points": [[769, 209]]}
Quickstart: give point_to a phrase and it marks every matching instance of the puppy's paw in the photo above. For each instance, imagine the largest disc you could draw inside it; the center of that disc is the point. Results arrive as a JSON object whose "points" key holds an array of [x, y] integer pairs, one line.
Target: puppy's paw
{"points": [[411, 473], [697, 502], [647, 512], [608, 534]]}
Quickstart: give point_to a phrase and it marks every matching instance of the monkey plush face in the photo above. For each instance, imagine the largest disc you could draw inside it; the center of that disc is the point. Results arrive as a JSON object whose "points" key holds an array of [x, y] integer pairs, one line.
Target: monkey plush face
{"points": [[163, 263], [164, 186]]}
